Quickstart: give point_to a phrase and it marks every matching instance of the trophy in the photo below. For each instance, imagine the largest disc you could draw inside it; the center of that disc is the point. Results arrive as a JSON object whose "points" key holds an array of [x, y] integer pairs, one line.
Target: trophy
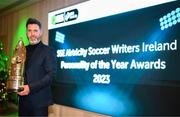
{"points": [[16, 79]]}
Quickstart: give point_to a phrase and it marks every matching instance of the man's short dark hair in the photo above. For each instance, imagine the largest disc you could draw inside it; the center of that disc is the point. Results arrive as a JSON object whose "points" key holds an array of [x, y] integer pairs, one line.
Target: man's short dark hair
{"points": [[33, 21]]}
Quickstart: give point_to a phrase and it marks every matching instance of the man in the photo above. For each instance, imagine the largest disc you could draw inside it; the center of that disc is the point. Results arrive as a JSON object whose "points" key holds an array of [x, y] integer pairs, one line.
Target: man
{"points": [[40, 69]]}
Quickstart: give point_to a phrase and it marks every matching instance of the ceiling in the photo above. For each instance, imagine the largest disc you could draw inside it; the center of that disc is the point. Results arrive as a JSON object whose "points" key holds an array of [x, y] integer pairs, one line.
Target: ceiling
{"points": [[6, 5]]}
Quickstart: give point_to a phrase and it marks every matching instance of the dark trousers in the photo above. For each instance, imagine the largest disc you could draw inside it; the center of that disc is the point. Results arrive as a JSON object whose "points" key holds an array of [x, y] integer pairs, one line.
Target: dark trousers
{"points": [[25, 111]]}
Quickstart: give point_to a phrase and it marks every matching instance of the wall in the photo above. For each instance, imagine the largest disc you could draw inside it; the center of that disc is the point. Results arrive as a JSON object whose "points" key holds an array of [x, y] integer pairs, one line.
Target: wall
{"points": [[12, 26]]}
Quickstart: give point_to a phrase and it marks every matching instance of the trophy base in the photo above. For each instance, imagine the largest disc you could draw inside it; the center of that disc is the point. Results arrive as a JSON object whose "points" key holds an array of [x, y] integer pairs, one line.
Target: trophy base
{"points": [[15, 90], [14, 84]]}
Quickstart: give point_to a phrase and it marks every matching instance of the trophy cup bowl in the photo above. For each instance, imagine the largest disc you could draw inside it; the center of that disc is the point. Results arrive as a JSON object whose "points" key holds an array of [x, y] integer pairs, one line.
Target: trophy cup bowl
{"points": [[16, 79]]}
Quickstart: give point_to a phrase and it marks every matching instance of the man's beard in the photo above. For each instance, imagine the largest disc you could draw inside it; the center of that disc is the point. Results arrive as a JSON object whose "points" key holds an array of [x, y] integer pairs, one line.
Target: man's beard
{"points": [[34, 42]]}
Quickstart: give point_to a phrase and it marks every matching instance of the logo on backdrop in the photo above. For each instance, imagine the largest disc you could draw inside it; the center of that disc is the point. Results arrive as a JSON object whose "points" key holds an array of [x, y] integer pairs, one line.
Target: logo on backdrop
{"points": [[64, 16]]}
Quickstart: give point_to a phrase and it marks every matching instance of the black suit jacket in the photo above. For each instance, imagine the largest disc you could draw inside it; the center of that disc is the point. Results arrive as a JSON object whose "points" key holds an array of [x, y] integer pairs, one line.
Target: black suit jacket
{"points": [[40, 69]]}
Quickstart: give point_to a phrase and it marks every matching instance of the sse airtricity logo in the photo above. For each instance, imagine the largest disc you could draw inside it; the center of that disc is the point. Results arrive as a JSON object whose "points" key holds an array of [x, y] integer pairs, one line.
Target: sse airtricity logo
{"points": [[64, 17], [170, 19]]}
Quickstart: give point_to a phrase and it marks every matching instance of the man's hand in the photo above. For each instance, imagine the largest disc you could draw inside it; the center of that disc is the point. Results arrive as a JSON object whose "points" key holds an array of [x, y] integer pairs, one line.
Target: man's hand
{"points": [[26, 90]]}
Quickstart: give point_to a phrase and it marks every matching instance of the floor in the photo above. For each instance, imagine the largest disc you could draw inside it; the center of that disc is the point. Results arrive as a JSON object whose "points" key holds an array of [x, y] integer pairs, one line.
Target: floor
{"points": [[12, 111]]}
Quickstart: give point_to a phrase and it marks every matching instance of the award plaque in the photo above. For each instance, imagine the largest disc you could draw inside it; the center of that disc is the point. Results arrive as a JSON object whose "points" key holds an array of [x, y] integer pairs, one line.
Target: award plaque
{"points": [[16, 79]]}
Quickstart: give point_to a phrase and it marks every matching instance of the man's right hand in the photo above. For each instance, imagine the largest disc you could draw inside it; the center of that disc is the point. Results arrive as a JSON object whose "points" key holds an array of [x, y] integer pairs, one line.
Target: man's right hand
{"points": [[25, 90]]}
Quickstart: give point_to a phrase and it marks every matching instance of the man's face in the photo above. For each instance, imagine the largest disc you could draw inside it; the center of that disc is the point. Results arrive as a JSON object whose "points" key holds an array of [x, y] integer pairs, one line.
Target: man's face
{"points": [[33, 33]]}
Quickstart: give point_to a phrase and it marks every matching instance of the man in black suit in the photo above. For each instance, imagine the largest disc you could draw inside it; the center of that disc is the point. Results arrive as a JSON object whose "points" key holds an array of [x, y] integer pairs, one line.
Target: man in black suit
{"points": [[40, 69]]}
